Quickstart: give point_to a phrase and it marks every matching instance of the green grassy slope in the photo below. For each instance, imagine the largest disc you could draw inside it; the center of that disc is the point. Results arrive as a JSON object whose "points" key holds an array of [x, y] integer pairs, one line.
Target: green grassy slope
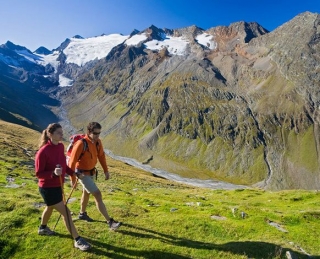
{"points": [[162, 219]]}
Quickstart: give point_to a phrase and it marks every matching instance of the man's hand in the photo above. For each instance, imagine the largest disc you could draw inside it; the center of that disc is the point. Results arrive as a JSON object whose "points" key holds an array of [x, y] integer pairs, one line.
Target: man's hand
{"points": [[107, 175], [79, 174]]}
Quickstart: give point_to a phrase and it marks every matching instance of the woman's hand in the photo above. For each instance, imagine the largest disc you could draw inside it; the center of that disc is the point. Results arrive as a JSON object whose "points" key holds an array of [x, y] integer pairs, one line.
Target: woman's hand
{"points": [[57, 171]]}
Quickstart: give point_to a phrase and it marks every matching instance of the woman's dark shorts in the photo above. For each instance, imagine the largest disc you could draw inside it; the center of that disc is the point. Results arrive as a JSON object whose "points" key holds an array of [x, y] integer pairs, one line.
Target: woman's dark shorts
{"points": [[51, 196]]}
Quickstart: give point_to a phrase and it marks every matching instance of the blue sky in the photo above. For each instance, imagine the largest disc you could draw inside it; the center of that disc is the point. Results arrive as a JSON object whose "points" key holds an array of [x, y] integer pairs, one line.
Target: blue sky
{"points": [[35, 23]]}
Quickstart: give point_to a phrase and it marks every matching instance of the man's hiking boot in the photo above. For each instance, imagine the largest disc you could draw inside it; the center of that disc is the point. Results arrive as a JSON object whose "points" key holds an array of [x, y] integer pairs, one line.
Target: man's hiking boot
{"points": [[45, 231], [84, 216], [82, 244], [113, 224]]}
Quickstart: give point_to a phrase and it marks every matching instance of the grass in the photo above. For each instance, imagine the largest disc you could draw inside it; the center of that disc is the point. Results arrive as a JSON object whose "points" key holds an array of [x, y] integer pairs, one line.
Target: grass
{"points": [[162, 219], [302, 149]]}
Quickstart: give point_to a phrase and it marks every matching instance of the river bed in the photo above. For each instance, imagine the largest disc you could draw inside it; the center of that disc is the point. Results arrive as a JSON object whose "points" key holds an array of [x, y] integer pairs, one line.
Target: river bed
{"points": [[211, 184]]}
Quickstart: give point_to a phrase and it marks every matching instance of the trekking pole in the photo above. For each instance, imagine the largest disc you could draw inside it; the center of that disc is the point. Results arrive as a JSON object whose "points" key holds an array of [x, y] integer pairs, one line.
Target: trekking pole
{"points": [[65, 205], [63, 196], [66, 202]]}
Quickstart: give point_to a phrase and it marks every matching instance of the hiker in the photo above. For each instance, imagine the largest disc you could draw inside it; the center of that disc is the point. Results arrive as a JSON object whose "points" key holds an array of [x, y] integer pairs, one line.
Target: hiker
{"points": [[83, 162], [50, 169]]}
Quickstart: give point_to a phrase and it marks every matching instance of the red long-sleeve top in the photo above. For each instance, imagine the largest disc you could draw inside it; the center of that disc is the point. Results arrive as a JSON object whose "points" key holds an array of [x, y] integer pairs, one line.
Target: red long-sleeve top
{"points": [[46, 160]]}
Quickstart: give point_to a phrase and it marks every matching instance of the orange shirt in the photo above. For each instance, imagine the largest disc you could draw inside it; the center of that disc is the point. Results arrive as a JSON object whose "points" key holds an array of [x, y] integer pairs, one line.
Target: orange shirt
{"points": [[90, 157]]}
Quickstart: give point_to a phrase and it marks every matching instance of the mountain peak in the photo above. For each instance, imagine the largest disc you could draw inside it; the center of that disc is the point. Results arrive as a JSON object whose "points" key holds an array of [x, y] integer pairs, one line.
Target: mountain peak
{"points": [[154, 32], [64, 44], [10, 45], [134, 32], [192, 31], [43, 51], [77, 37]]}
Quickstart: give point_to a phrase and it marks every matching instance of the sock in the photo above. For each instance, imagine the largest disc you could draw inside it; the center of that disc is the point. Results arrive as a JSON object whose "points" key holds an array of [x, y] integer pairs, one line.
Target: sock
{"points": [[77, 238], [43, 226]]}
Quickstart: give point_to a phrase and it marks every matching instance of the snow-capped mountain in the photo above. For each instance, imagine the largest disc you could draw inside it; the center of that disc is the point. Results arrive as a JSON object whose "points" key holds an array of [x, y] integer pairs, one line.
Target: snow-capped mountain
{"points": [[77, 51], [20, 57], [80, 51], [46, 69]]}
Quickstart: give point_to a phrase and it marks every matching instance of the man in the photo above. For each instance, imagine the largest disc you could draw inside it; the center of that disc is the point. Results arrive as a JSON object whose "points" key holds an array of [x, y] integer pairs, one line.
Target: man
{"points": [[85, 170]]}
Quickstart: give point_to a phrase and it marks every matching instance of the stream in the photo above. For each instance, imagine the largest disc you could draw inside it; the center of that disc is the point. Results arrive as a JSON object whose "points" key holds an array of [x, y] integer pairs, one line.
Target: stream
{"points": [[211, 184]]}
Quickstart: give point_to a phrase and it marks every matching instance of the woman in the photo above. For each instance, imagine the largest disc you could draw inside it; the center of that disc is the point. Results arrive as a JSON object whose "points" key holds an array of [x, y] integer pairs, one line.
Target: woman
{"points": [[50, 168]]}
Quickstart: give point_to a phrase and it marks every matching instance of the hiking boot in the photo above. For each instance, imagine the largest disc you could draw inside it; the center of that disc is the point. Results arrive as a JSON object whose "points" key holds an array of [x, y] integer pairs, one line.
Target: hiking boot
{"points": [[82, 244], [113, 224], [45, 231], [84, 216]]}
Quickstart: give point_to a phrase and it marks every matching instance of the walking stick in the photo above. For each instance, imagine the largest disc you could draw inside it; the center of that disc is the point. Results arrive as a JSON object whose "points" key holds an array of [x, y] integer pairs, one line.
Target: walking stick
{"points": [[65, 201]]}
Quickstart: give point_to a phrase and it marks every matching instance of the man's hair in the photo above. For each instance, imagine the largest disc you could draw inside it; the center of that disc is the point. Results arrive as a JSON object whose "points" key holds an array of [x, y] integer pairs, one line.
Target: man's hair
{"points": [[93, 125]]}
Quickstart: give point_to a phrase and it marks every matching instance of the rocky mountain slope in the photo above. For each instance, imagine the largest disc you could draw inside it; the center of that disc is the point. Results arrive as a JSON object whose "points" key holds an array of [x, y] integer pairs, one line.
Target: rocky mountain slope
{"points": [[243, 109], [237, 102], [24, 90]]}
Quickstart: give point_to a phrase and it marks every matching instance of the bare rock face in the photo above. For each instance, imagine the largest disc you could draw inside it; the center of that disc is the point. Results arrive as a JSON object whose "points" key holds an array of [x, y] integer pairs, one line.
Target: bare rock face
{"points": [[228, 38], [245, 110]]}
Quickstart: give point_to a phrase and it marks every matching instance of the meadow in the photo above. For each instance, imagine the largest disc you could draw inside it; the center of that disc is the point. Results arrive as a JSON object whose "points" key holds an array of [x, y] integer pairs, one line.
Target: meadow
{"points": [[161, 218]]}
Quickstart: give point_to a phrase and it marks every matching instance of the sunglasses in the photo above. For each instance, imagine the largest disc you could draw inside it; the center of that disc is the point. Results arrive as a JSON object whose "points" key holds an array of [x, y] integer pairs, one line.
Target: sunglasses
{"points": [[96, 133]]}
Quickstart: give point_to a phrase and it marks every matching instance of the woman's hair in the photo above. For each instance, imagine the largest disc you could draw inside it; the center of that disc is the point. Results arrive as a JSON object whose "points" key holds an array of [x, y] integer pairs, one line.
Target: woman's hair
{"points": [[50, 129], [93, 125]]}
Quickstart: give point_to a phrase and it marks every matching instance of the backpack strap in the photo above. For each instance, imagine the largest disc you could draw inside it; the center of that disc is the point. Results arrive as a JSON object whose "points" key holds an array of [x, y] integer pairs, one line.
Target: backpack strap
{"points": [[85, 147], [98, 145]]}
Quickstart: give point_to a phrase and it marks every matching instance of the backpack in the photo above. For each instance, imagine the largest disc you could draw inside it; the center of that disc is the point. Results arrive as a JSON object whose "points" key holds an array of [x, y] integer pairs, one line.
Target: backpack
{"points": [[73, 139]]}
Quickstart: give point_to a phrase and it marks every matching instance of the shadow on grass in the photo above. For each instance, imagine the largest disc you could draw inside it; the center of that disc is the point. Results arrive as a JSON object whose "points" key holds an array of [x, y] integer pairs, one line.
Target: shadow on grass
{"points": [[110, 251], [251, 249], [7, 248]]}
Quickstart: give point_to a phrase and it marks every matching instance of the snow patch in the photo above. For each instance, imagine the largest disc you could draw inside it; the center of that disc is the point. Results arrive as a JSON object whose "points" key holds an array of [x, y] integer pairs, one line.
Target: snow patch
{"points": [[49, 59], [81, 51], [206, 40], [28, 55], [64, 81], [136, 39], [175, 45]]}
